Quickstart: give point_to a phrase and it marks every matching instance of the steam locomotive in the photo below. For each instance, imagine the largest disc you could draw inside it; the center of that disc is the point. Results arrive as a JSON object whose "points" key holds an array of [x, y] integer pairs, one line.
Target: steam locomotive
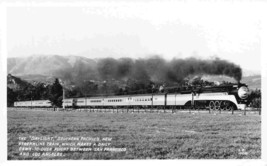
{"points": [[226, 97]]}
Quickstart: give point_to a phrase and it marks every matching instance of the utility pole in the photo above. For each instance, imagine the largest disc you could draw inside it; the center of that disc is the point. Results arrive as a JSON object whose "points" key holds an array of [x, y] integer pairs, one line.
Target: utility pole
{"points": [[152, 100], [31, 98], [85, 101], [63, 95], [175, 100]]}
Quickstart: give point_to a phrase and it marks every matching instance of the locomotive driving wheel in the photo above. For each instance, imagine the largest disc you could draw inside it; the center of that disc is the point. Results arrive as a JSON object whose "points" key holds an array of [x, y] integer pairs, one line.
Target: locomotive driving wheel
{"points": [[230, 107], [223, 105], [212, 106], [217, 105], [227, 106]]}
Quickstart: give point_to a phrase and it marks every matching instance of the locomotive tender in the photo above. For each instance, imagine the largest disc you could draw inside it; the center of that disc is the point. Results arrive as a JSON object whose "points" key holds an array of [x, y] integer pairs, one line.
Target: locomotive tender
{"points": [[230, 97]]}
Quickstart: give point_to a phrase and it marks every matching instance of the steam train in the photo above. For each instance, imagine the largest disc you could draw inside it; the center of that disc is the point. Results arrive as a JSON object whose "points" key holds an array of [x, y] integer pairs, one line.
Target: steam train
{"points": [[227, 97]]}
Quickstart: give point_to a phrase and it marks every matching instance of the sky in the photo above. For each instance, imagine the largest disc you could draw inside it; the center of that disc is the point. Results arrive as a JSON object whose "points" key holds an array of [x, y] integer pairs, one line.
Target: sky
{"points": [[171, 29]]}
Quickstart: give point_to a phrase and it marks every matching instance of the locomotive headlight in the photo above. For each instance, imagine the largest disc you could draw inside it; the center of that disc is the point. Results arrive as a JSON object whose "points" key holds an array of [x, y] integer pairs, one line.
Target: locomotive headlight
{"points": [[243, 92]]}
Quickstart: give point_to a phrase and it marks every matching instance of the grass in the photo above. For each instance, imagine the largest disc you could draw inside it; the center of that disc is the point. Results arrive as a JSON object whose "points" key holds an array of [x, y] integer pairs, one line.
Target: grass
{"points": [[145, 135]]}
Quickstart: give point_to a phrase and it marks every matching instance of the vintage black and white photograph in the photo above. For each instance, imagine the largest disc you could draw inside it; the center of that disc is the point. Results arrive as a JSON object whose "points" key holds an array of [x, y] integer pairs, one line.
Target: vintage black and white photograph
{"points": [[134, 80]]}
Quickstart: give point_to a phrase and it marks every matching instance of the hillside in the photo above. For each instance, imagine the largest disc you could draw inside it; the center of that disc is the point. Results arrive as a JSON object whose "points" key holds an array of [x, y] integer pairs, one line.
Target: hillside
{"points": [[16, 83], [254, 82], [45, 68]]}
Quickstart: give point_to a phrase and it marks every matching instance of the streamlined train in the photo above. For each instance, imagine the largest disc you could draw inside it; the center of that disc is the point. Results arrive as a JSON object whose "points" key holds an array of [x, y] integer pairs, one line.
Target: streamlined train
{"points": [[230, 97]]}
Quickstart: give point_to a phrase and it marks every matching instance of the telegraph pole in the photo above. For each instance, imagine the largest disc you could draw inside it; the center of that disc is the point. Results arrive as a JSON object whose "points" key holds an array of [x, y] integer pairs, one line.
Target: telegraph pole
{"points": [[31, 98], [63, 95], [152, 100]]}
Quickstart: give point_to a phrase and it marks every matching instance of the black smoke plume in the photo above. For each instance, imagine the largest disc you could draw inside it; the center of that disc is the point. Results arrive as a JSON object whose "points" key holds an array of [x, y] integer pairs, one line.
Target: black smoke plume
{"points": [[126, 75], [158, 70]]}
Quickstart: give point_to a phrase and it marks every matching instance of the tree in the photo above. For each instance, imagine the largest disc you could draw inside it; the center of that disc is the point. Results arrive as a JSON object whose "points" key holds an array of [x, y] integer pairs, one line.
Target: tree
{"points": [[255, 98], [11, 97], [55, 94]]}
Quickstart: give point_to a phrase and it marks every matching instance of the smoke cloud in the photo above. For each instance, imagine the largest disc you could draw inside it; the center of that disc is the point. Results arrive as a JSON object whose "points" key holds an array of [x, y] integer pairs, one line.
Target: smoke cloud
{"points": [[158, 70]]}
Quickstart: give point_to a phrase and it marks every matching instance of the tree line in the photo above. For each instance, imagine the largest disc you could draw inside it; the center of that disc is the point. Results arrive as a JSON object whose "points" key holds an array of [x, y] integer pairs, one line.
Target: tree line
{"points": [[39, 91], [255, 98]]}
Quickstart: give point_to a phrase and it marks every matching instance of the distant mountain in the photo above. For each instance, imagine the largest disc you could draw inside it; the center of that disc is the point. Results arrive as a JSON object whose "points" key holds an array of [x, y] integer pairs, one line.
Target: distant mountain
{"points": [[45, 65], [16, 83], [46, 68], [253, 82]]}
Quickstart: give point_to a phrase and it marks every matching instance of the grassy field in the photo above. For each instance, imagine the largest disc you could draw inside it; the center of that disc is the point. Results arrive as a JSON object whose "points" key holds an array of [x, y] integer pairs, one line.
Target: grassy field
{"points": [[144, 135]]}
